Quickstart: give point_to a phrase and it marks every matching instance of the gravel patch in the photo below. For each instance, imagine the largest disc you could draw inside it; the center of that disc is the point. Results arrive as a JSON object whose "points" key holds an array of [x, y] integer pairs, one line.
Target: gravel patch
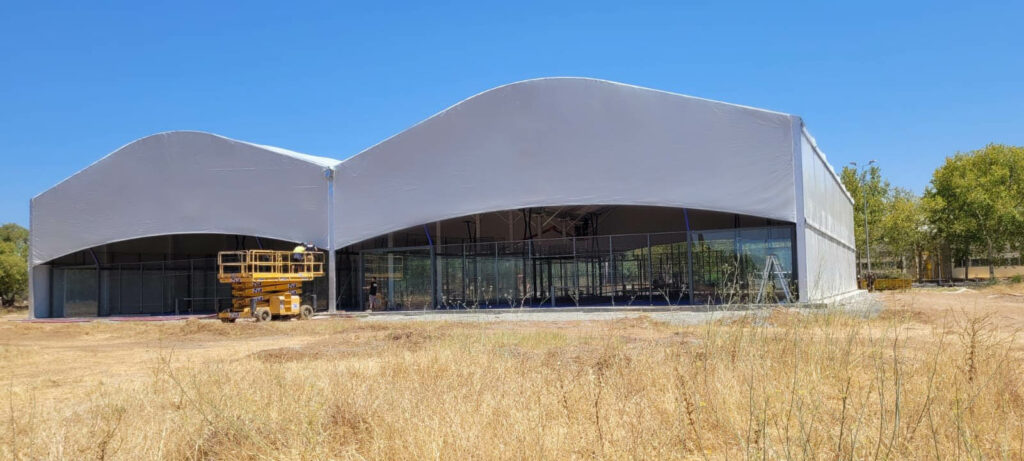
{"points": [[865, 304]]}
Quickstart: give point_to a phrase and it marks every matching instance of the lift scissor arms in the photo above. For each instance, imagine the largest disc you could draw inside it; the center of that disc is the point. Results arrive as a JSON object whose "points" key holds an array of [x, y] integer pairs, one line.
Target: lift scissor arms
{"points": [[256, 291], [266, 285], [246, 300]]}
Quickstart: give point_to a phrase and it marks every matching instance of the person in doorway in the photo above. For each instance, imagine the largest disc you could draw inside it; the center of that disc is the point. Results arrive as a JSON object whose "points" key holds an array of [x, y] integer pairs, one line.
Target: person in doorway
{"points": [[372, 301]]}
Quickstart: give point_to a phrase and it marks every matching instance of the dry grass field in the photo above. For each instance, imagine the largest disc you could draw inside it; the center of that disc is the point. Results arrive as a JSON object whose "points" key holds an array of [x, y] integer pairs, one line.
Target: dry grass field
{"points": [[937, 375]]}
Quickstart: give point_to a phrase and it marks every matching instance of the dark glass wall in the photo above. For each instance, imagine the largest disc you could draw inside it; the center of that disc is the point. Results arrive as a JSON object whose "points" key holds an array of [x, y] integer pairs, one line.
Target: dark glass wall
{"points": [[175, 274], [741, 265]]}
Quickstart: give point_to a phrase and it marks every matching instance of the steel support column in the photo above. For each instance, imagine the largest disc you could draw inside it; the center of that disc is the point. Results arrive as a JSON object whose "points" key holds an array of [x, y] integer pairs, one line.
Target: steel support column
{"points": [[494, 291], [689, 256], [650, 273], [801, 221], [611, 269], [332, 274], [575, 273], [361, 281], [391, 271]]}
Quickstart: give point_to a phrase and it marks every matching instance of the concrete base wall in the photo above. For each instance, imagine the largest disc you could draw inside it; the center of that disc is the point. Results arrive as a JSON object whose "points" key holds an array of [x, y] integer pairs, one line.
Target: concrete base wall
{"points": [[981, 272]]}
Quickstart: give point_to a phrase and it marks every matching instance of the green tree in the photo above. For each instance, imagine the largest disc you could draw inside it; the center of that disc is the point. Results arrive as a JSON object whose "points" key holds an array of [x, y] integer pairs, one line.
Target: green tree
{"points": [[16, 235], [866, 184], [13, 262], [903, 229], [976, 201]]}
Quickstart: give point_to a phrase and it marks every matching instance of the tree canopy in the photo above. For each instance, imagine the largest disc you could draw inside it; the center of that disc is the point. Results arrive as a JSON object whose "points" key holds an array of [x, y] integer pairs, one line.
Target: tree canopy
{"points": [[13, 263], [976, 201], [868, 186], [903, 229], [898, 229]]}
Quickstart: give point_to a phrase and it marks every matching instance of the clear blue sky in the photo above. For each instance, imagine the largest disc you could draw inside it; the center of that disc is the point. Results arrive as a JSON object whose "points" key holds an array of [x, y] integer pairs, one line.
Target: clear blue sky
{"points": [[906, 83]]}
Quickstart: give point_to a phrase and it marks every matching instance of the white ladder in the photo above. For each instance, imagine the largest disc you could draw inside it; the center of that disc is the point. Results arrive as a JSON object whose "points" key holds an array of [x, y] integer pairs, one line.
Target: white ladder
{"points": [[772, 265]]}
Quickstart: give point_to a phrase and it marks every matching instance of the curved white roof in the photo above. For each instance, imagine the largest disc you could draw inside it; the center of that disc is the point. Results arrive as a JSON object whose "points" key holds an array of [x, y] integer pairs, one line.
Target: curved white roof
{"points": [[570, 141], [183, 182], [535, 143]]}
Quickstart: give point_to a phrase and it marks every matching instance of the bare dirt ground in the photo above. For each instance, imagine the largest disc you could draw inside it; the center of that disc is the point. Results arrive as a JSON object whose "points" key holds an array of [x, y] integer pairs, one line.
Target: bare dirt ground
{"points": [[1003, 303]]}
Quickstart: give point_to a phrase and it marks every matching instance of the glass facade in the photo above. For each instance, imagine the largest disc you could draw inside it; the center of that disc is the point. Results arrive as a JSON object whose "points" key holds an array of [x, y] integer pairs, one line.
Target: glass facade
{"points": [[669, 268], [148, 288], [639, 269]]}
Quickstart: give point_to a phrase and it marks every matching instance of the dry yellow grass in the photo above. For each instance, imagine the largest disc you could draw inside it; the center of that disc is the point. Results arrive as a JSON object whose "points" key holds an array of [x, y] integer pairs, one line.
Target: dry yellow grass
{"points": [[784, 385]]}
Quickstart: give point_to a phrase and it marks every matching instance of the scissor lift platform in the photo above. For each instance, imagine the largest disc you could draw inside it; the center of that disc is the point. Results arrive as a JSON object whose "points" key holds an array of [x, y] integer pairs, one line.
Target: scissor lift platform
{"points": [[267, 284]]}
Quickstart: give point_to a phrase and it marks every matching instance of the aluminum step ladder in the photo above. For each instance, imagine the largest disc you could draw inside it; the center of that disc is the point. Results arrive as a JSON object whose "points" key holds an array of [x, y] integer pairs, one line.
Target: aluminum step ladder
{"points": [[773, 267]]}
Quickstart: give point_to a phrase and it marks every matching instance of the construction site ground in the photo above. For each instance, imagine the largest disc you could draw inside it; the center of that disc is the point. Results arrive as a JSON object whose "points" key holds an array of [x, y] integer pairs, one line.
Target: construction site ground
{"points": [[53, 357], [547, 384]]}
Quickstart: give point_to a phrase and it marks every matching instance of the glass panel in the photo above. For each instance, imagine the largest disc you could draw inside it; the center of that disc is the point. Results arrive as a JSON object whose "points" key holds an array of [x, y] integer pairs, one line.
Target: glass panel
{"points": [[348, 281], [157, 288], [130, 297], [471, 276], [716, 268], [108, 291], [731, 266], [486, 274], [80, 293], [57, 292], [413, 290], [728, 266], [632, 281], [555, 271], [152, 288], [450, 262], [176, 287], [767, 278], [669, 275], [594, 271], [513, 287], [403, 278]]}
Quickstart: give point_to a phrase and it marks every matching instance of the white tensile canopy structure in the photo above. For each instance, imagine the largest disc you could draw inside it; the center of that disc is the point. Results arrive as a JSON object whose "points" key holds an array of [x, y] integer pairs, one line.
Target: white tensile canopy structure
{"points": [[544, 142]]}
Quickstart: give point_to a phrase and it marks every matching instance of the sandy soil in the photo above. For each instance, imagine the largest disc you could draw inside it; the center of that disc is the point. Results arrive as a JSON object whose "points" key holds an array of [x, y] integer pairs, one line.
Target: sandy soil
{"points": [[1004, 304]]}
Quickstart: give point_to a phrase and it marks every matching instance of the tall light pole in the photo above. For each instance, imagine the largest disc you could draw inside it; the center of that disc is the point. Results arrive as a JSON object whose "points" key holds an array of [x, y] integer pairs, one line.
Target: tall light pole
{"points": [[867, 234]]}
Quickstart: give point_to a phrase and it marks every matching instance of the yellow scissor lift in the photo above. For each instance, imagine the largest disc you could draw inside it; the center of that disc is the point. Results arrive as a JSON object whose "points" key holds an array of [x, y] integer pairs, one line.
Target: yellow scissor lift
{"points": [[267, 284]]}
